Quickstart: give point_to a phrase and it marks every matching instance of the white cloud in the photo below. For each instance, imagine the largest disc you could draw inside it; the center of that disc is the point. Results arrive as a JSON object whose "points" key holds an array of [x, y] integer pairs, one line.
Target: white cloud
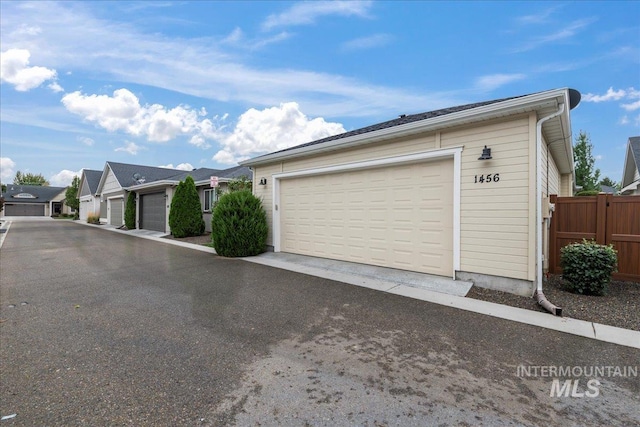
{"points": [[631, 106], [86, 140], [6, 169], [624, 120], [568, 31], [181, 166], [611, 95], [629, 94], [271, 129], [538, 18], [208, 68], [369, 42], [123, 112], [55, 86], [131, 148], [306, 13], [64, 178], [494, 81], [14, 69]]}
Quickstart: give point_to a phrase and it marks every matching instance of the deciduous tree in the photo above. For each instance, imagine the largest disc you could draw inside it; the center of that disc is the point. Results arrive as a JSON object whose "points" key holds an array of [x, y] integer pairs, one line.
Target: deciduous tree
{"points": [[30, 179]]}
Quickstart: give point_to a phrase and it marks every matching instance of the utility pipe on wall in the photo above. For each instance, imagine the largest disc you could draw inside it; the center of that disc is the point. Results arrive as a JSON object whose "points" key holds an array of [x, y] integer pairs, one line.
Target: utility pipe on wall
{"points": [[539, 295]]}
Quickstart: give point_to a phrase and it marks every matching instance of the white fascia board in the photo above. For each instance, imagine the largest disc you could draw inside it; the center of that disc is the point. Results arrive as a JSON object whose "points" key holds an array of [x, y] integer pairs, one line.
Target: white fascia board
{"points": [[103, 177], [477, 114], [148, 185], [631, 187]]}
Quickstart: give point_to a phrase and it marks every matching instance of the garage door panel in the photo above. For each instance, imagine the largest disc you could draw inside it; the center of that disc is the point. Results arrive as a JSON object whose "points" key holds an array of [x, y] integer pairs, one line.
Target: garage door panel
{"points": [[399, 217], [153, 212], [116, 213], [23, 209]]}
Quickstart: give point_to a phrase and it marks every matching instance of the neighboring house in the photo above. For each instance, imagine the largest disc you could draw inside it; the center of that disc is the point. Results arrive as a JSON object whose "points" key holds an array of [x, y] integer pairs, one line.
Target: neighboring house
{"points": [[631, 170], [421, 192], [88, 195], [34, 200], [154, 198], [117, 177], [607, 189]]}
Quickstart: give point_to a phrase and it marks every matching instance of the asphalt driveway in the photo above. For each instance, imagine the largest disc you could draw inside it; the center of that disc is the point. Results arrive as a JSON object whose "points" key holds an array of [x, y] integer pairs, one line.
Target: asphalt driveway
{"points": [[100, 328]]}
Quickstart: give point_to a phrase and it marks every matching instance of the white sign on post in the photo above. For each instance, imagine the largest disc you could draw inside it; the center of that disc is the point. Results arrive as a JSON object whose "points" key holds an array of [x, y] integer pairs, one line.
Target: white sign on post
{"points": [[214, 181]]}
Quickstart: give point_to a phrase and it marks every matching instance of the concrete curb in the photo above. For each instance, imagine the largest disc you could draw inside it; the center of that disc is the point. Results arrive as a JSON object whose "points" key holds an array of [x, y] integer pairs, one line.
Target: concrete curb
{"points": [[596, 331]]}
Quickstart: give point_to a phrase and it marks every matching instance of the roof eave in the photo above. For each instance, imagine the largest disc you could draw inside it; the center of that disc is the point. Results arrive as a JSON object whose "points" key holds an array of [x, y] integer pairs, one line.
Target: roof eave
{"points": [[526, 103]]}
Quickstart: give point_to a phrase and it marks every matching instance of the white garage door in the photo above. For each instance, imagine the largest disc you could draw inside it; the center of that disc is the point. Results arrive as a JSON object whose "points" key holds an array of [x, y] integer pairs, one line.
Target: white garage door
{"points": [[398, 216]]}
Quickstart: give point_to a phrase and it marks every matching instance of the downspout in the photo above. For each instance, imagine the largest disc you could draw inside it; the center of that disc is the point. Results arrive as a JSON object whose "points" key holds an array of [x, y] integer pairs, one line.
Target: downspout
{"points": [[557, 311]]}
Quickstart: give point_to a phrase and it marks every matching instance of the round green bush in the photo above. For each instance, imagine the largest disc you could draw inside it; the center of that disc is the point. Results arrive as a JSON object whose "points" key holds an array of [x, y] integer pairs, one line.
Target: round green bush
{"points": [[239, 225], [185, 215], [587, 267]]}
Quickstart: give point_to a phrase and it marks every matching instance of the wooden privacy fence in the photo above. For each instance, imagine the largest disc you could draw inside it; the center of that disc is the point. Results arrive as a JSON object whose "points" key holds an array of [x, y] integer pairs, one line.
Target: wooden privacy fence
{"points": [[605, 218]]}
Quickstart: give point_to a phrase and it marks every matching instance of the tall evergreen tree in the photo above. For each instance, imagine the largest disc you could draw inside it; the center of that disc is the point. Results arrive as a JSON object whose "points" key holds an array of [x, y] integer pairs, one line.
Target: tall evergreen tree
{"points": [[586, 176], [130, 212], [185, 216]]}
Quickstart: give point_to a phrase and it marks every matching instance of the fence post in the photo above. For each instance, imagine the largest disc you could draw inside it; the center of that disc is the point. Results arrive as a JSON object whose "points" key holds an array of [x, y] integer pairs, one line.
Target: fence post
{"points": [[601, 219]]}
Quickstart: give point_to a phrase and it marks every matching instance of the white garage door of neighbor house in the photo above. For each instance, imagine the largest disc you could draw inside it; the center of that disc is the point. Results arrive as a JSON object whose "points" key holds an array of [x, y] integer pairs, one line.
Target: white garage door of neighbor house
{"points": [[395, 216], [116, 212]]}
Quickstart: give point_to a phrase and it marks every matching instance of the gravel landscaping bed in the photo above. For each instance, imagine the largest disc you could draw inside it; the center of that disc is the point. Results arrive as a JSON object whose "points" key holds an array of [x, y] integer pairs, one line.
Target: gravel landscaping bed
{"points": [[619, 307]]}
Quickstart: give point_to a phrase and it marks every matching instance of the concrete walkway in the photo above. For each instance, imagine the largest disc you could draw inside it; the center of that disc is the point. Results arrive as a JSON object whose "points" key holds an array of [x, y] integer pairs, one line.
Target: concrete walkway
{"points": [[434, 289]]}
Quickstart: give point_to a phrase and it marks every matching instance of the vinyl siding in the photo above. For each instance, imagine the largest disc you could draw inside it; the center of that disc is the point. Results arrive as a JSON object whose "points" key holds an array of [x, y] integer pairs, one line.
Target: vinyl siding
{"points": [[494, 224], [265, 192], [566, 185], [111, 184], [550, 174], [495, 232], [84, 190]]}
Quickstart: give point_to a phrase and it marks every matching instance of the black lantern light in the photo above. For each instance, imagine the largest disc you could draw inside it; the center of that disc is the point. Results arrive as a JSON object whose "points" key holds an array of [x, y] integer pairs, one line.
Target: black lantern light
{"points": [[486, 154]]}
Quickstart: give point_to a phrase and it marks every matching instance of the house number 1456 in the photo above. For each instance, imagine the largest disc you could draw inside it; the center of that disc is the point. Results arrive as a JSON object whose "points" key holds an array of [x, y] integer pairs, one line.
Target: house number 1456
{"points": [[490, 177]]}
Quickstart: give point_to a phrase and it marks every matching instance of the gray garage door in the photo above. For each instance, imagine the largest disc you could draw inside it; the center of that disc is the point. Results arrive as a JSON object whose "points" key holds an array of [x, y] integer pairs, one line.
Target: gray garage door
{"points": [[116, 213], [153, 212], [24, 210]]}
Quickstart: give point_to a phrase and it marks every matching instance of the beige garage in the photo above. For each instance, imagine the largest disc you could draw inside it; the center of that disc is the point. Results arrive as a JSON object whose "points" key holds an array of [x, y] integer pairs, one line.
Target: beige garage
{"points": [[393, 216], [461, 192]]}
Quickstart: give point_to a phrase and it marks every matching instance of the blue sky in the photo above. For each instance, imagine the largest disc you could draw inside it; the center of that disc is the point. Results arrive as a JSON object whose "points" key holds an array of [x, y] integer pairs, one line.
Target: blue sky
{"points": [[207, 84]]}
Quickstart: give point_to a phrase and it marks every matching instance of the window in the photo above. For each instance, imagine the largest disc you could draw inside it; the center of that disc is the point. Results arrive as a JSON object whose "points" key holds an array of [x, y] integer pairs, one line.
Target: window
{"points": [[210, 199]]}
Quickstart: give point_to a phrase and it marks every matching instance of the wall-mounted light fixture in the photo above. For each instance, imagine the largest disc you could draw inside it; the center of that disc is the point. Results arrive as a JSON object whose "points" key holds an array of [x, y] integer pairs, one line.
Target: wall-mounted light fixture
{"points": [[263, 181], [486, 154]]}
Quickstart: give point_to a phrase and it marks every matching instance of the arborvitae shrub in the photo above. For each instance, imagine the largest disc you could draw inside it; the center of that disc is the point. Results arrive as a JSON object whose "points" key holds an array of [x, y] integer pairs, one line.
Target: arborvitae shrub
{"points": [[587, 267], [185, 216], [239, 225], [130, 212]]}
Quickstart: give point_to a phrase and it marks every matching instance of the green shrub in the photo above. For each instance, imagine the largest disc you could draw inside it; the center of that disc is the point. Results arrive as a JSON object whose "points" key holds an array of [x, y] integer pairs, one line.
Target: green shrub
{"points": [[130, 212], [587, 267], [588, 193], [239, 225], [185, 216]]}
